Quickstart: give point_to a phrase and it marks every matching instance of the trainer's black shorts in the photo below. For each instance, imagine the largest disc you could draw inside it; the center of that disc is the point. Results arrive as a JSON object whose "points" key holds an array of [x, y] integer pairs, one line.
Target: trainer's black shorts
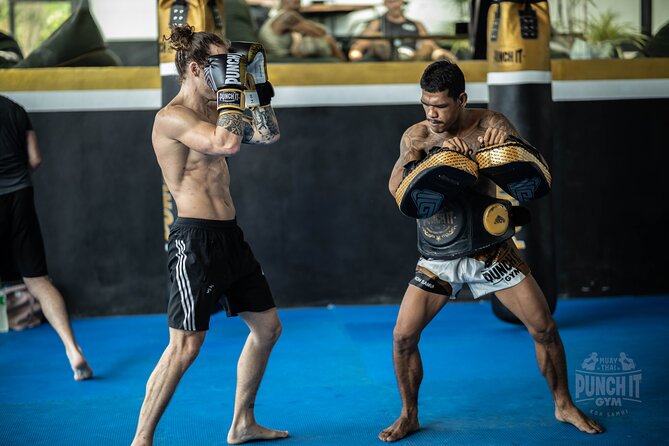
{"points": [[211, 266], [21, 244]]}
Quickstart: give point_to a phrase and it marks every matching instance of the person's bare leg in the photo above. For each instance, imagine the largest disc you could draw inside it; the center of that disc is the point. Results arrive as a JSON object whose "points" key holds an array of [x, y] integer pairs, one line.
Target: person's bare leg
{"points": [[265, 331], [381, 49], [296, 45], [180, 353], [53, 307], [527, 302], [418, 308]]}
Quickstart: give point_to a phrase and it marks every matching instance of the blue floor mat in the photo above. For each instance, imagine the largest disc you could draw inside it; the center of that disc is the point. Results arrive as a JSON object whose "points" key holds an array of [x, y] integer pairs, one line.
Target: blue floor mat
{"points": [[330, 379]]}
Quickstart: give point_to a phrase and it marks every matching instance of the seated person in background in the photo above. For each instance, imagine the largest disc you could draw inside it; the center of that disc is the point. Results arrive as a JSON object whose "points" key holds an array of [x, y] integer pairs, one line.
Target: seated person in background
{"points": [[393, 24], [287, 33]]}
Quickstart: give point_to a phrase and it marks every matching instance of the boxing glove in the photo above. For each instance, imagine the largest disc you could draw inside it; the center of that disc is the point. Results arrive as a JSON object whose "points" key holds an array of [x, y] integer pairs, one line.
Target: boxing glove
{"points": [[226, 75], [257, 68]]}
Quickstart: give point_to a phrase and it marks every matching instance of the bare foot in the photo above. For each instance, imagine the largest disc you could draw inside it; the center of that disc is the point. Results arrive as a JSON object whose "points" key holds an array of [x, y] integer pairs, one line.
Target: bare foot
{"points": [[574, 416], [402, 427], [80, 367], [253, 433]]}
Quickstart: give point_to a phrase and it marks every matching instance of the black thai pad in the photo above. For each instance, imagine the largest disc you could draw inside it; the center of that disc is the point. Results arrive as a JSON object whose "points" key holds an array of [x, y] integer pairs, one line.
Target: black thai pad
{"points": [[442, 175], [516, 167], [468, 224]]}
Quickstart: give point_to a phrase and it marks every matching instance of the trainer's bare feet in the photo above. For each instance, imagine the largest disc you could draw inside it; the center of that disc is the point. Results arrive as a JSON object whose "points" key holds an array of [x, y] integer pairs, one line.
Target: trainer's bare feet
{"points": [[253, 432], [573, 415], [402, 427], [80, 367]]}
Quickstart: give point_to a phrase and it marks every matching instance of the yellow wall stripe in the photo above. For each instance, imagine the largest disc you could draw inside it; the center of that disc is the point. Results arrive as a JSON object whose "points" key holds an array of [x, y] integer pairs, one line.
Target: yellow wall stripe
{"points": [[124, 78], [83, 78], [582, 70], [363, 73]]}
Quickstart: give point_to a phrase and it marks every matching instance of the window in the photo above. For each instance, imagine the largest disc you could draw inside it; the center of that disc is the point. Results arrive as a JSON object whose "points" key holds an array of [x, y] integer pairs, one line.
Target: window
{"points": [[31, 22]]}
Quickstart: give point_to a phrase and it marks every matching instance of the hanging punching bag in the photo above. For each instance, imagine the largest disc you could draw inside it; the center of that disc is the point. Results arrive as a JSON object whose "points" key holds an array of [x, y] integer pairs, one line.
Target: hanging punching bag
{"points": [[519, 86], [203, 15]]}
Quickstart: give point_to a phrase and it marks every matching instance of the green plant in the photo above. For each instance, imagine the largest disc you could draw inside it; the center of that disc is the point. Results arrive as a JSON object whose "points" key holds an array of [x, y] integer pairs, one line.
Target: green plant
{"points": [[34, 21], [606, 28], [4, 16], [460, 45]]}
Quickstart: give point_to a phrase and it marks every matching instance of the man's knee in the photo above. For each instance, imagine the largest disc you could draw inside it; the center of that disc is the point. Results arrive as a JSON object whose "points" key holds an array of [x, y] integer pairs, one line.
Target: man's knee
{"points": [[405, 341], [42, 288], [268, 335], [186, 348], [36, 282], [545, 332]]}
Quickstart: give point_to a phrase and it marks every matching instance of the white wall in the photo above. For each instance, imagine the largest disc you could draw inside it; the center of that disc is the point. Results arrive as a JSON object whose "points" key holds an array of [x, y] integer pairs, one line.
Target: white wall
{"points": [[439, 16], [629, 11], [126, 19], [660, 14]]}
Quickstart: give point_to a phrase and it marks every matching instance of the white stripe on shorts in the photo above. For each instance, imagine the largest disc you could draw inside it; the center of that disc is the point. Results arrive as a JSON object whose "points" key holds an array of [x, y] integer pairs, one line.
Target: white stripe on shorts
{"points": [[187, 301]]}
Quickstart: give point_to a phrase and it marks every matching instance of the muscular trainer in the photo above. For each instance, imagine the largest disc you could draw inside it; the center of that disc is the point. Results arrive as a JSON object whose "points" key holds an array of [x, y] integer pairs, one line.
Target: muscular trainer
{"points": [[464, 234]]}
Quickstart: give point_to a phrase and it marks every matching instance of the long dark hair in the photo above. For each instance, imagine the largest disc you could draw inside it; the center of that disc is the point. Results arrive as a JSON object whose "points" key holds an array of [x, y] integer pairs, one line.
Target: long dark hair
{"points": [[192, 46]]}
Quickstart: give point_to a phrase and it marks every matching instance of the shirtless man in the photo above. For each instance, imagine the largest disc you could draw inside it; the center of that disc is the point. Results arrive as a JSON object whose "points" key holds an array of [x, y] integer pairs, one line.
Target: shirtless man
{"points": [[404, 33], [450, 125], [209, 261]]}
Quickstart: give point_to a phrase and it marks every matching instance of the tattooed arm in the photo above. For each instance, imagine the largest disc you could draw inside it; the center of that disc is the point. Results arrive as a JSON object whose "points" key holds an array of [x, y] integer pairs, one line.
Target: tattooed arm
{"points": [[225, 138], [413, 147], [178, 123], [263, 128], [496, 127]]}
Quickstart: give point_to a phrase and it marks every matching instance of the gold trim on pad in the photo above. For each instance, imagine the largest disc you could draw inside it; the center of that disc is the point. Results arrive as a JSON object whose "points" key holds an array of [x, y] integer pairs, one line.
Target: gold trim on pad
{"points": [[444, 158], [506, 153]]}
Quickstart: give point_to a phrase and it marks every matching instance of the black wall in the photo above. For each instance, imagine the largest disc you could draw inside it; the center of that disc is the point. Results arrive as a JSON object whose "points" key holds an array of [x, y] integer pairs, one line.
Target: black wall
{"points": [[136, 53], [316, 209], [611, 206], [98, 200]]}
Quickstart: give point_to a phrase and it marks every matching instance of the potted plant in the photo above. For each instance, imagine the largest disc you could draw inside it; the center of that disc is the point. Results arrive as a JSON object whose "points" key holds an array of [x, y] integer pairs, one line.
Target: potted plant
{"points": [[608, 37]]}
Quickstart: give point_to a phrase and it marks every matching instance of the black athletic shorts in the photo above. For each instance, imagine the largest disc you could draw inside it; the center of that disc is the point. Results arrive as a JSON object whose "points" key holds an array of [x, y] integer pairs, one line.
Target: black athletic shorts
{"points": [[211, 266], [21, 244]]}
